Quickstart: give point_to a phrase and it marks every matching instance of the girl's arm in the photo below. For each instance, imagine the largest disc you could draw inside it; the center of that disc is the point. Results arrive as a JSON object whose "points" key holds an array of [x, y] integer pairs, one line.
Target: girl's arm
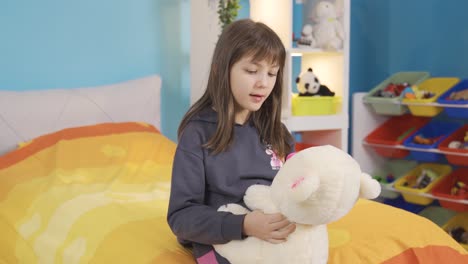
{"points": [[189, 218]]}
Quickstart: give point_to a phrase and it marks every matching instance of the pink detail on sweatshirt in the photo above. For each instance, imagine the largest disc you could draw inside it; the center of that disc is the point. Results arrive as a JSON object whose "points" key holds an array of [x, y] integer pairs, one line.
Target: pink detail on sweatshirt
{"points": [[276, 163], [208, 258]]}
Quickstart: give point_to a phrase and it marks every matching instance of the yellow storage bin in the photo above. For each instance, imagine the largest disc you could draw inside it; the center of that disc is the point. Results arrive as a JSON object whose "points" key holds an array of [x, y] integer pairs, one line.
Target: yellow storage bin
{"points": [[410, 194], [434, 85], [315, 105], [459, 220]]}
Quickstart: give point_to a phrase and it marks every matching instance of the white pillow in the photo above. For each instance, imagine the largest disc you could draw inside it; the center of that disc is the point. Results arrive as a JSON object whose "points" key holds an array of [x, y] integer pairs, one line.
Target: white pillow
{"points": [[25, 115]]}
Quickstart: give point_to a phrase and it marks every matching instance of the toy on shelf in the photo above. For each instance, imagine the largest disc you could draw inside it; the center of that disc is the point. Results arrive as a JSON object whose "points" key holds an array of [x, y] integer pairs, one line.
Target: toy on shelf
{"points": [[309, 85], [421, 139], [459, 188], [307, 39], [424, 179], [459, 234], [459, 95], [328, 31], [455, 144], [413, 92], [392, 90]]}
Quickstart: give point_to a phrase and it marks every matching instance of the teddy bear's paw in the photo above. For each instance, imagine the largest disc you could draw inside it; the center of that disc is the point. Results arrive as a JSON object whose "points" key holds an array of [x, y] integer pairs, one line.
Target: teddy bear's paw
{"points": [[370, 188], [233, 208]]}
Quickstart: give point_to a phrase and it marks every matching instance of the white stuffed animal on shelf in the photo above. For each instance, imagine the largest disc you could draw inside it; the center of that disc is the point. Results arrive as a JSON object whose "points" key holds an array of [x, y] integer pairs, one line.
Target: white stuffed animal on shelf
{"points": [[328, 30], [314, 187], [307, 39]]}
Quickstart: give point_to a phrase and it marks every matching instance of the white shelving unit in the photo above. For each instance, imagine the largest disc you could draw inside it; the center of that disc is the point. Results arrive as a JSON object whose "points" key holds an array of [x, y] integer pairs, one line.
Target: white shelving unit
{"points": [[332, 68], [365, 120]]}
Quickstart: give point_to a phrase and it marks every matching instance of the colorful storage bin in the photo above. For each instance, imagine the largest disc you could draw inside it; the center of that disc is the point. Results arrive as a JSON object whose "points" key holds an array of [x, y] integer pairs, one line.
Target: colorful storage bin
{"points": [[399, 202], [444, 187], [393, 132], [412, 194], [315, 105], [395, 168], [392, 106], [437, 86], [462, 158], [459, 220], [445, 99], [437, 130], [439, 215]]}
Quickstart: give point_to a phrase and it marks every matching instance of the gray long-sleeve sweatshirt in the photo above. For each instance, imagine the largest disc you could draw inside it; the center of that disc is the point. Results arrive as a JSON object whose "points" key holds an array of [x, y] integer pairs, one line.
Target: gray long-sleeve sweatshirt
{"points": [[202, 182]]}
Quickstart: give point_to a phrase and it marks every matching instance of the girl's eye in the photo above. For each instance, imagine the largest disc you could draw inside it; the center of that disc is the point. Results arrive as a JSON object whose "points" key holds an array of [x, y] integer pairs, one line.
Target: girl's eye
{"points": [[272, 74], [251, 71]]}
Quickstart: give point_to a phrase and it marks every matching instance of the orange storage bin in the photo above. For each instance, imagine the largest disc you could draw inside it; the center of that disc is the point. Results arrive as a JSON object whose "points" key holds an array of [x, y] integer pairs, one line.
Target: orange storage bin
{"points": [[301, 145], [462, 158], [393, 132], [444, 187]]}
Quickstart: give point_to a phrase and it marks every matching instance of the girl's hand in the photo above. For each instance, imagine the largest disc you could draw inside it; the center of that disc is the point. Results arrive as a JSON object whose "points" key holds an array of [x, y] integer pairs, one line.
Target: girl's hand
{"points": [[274, 228]]}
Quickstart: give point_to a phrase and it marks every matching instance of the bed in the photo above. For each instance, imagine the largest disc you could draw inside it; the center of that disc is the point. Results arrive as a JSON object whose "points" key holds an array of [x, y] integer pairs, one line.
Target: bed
{"points": [[85, 178]]}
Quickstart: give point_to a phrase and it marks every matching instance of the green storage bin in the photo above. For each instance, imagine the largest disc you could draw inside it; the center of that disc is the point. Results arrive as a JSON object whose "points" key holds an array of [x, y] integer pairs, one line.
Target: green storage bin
{"points": [[397, 168], [392, 106], [439, 215]]}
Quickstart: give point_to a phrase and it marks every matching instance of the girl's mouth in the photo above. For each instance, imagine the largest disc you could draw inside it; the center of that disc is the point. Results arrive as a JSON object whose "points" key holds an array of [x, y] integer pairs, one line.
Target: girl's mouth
{"points": [[256, 97]]}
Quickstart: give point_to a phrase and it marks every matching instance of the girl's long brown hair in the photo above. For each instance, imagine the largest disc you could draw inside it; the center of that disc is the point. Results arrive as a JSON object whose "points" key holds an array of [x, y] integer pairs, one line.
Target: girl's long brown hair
{"points": [[243, 38]]}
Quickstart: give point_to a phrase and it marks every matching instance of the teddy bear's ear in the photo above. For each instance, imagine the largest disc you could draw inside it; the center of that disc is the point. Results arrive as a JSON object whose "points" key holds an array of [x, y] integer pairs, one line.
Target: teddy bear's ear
{"points": [[370, 188], [303, 187]]}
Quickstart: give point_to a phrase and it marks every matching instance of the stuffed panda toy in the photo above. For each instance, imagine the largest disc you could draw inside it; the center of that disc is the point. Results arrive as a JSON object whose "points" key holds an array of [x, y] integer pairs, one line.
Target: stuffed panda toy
{"points": [[309, 85]]}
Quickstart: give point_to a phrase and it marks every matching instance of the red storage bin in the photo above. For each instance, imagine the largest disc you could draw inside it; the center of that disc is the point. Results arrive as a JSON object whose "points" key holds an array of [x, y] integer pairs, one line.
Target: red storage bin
{"points": [[301, 145], [393, 132], [443, 189], [458, 135]]}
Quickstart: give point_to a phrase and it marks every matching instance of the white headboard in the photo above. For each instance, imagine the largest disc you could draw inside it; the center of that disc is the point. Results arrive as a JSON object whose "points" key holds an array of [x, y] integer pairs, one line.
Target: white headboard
{"points": [[25, 115]]}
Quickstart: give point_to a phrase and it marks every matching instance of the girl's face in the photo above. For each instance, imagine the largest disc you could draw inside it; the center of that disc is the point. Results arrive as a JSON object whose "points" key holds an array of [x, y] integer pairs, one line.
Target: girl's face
{"points": [[251, 84]]}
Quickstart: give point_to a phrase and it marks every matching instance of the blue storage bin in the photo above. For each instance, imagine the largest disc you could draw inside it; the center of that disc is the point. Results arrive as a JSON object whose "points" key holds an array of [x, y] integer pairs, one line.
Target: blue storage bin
{"points": [[444, 99], [434, 129], [401, 203]]}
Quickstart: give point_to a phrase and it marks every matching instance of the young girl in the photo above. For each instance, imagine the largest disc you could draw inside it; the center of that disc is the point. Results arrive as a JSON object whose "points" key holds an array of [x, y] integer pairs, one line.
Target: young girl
{"points": [[231, 138]]}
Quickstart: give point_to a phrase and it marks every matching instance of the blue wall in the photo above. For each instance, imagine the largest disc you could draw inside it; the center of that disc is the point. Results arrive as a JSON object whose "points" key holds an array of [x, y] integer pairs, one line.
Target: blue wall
{"points": [[66, 44], [400, 35]]}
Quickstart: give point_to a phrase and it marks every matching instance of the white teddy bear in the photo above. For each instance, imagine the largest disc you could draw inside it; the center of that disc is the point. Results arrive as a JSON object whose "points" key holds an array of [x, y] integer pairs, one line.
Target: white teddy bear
{"points": [[314, 187], [328, 31]]}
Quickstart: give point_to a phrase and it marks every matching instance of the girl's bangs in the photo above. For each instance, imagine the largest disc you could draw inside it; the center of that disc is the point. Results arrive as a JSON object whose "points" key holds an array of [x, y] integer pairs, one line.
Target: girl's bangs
{"points": [[274, 54]]}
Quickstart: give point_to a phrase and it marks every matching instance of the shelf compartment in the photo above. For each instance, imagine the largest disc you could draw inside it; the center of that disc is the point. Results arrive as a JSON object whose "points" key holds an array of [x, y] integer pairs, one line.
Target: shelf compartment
{"points": [[444, 187], [436, 129], [393, 106], [437, 86], [460, 107], [313, 123], [412, 195], [393, 132], [458, 135]]}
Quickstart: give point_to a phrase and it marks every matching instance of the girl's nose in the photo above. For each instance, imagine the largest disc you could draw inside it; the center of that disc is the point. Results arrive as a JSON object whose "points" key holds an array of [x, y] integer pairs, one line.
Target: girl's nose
{"points": [[262, 80]]}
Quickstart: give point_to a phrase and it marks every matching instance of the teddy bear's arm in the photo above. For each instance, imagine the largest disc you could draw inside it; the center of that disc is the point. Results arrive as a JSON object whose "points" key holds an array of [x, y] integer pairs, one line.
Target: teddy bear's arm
{"points": [[258, 197]]}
